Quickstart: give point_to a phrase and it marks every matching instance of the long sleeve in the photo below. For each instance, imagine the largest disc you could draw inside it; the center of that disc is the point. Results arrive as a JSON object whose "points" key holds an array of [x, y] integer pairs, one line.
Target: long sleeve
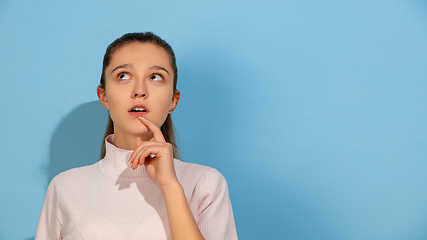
{"points": [[216, 220], [49, 227]]}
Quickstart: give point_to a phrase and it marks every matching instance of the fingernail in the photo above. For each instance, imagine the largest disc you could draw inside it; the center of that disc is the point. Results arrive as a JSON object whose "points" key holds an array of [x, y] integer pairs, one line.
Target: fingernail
{"points": [[140, 117], [129, 162], [138, 138]]}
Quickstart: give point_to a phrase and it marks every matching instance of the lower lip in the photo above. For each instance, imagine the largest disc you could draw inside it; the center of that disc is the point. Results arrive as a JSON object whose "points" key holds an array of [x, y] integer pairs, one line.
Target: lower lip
{"points": [[137, 114]]}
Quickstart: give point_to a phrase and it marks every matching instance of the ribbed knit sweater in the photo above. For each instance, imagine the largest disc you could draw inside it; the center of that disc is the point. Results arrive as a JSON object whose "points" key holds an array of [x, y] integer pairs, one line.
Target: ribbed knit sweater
{"points": [[109, 201]]}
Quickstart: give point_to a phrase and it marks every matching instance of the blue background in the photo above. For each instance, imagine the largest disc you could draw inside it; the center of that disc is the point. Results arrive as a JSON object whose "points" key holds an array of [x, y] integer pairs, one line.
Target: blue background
{"points": [[314, 111]]}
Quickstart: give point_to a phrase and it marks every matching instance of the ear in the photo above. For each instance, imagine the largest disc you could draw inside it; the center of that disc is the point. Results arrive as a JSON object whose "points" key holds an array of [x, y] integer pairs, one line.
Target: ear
{"points": [[102, 96], [175, 100]]}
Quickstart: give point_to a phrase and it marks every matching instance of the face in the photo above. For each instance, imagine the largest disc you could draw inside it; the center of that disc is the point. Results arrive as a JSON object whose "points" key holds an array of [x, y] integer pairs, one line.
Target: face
{"points": [[138, 82]]}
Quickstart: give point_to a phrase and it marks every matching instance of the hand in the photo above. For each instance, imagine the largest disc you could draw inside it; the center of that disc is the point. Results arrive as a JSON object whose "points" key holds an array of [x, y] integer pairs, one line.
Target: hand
{"points": [[157, 157]]}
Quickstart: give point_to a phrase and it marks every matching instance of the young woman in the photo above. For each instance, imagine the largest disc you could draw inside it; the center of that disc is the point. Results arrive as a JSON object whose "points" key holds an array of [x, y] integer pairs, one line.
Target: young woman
{"points": [[138, 190]]}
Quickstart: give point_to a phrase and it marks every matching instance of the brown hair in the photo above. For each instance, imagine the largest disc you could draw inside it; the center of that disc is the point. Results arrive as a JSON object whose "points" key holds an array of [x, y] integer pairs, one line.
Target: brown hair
{"points": [[167, 128]]}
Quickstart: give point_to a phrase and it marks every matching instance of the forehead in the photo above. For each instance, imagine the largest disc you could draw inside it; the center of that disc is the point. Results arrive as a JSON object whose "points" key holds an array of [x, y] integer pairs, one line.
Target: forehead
{"points": [[141, 53]]}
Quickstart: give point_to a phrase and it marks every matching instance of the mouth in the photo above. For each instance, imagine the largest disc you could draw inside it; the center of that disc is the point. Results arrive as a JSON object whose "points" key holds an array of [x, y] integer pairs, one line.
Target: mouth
{"points": [[138, 111]]}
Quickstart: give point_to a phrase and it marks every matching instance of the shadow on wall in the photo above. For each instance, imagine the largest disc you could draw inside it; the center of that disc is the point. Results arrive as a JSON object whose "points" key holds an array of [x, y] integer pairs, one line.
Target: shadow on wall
{"points": [[77, 140]]}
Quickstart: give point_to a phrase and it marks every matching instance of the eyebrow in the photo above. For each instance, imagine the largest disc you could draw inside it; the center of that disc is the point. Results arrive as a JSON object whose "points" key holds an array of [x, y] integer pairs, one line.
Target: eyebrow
{"points": [[127, 65], [159, 68]]}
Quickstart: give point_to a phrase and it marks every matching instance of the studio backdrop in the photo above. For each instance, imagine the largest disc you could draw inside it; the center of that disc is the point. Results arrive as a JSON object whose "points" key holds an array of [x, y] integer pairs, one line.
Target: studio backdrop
{"points": [[314, 111]]}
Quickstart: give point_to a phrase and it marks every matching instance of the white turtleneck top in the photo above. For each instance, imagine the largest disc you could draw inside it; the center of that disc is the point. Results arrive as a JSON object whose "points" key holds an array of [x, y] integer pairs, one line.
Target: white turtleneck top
{"points": [[109, 201]]}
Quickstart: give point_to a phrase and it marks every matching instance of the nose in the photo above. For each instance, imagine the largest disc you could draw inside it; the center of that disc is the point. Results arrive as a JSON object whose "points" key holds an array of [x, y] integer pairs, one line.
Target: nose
{"points": [[138, 94], [139, 90]]}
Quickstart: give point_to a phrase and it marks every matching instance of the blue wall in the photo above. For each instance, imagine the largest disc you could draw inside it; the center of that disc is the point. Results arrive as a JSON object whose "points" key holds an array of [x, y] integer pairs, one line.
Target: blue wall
{"points": [[315, 111]]}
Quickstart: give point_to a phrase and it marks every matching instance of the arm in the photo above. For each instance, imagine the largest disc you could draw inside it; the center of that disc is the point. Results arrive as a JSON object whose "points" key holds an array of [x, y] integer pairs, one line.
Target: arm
{"points": [[216, 220], [181, 220], [49, 227], [157, 156]]}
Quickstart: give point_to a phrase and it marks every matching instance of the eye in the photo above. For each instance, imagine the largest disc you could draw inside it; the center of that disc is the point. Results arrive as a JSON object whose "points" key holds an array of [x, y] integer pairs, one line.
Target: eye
{"points": [[123, 76], [156, 77]]}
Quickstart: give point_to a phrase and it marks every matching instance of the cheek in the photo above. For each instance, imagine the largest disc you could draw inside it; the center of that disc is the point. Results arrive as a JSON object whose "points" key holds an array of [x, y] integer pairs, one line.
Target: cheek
{"points": [[115, 103], [166, 101], [115, 97], [162, 104]]}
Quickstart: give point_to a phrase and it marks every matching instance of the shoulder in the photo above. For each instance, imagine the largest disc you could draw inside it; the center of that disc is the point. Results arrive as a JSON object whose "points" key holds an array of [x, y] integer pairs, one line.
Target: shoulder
{"points": [[74, 175], [199, 175], [68, 184], [196, 170]]}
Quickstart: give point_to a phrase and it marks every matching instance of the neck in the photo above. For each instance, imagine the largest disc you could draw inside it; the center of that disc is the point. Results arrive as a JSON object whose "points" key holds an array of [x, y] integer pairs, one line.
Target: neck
{"points": [[128, 141]]}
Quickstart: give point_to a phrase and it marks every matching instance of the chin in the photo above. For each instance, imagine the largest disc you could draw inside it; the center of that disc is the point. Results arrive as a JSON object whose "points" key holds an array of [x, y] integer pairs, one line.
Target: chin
{"points": [[141, 131]]}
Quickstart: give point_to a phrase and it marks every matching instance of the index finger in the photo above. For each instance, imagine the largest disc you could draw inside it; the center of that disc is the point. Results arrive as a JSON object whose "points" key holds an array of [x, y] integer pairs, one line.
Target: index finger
{"points": [[158, 135]]}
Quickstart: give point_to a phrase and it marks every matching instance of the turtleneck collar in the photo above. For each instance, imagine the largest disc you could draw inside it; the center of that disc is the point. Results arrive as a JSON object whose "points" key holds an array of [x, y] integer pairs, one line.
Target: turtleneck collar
{"points": [[115, 163]]}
